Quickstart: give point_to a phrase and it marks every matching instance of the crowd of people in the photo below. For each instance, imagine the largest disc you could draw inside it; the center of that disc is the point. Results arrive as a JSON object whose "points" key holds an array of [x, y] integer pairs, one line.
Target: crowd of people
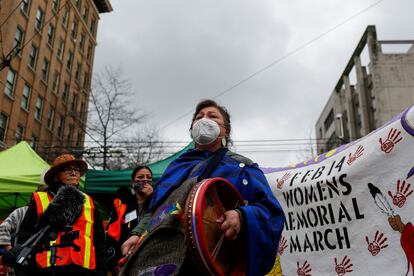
{"points": [[61, 232]]}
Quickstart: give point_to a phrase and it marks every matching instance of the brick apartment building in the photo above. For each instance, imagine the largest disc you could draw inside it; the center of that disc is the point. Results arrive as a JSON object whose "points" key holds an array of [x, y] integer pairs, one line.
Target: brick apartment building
{"points": [[368, 94], [47, 55]]}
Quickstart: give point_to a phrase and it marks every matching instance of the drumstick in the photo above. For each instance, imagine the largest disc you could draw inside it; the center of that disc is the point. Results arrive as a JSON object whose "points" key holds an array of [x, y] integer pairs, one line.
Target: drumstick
{"points": [[218, 245], [217, 248], [125, 259], [219, 212], [217, 202]]}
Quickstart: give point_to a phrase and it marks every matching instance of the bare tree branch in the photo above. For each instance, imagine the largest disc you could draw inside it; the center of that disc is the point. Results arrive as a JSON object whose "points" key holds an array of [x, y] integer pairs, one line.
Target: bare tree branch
{"points": [[111, 118]]}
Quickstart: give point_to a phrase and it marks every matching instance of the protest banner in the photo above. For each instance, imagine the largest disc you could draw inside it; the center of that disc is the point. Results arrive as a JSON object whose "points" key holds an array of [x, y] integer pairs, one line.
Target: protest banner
{"points": [[350, 210]]}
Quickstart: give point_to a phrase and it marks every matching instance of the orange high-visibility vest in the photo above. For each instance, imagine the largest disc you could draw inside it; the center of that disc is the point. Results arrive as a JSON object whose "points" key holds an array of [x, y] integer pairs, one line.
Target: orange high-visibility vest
{"points": [[114, 229], [84, 224]]}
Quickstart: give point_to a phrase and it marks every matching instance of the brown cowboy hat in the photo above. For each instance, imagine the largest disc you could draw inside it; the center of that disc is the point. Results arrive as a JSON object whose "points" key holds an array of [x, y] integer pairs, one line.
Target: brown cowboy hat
{"points": [[63, 161]]}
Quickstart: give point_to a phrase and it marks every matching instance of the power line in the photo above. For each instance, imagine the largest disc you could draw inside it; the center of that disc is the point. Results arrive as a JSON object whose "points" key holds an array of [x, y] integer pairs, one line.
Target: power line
{"points": [[16, 50], [134, 148], [280, 59], [45, 100], [240, 82], [183, 143], [238, 142], [5, 60], [10, 14], [55, 14]]}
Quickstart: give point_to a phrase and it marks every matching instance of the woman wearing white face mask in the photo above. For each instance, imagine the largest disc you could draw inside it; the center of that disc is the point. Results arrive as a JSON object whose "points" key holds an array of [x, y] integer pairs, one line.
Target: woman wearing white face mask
{"points": [[260, 222]]}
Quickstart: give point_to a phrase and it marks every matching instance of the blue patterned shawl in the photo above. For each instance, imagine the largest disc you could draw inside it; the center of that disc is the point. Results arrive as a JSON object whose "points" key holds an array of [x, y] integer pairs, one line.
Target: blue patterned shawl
{"points": [[263, 215]]}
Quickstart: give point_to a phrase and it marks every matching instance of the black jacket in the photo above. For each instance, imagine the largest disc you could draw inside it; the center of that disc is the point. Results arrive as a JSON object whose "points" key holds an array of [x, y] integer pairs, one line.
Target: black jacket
{"points": [[114, 247], [32, 224]]}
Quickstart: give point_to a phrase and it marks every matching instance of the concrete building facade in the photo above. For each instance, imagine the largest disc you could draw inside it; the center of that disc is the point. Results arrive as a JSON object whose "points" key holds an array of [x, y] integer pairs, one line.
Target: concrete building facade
{"points": [[45, 72], [369, 94]]}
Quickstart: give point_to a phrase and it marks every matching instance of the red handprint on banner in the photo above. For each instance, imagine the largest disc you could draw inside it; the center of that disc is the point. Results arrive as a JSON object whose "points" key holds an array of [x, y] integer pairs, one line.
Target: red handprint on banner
{"points": [[279, 183], [392, 139], [377, 244], [282, 246], [358, 153], [400, 197], [344, 267], [304, 270]]}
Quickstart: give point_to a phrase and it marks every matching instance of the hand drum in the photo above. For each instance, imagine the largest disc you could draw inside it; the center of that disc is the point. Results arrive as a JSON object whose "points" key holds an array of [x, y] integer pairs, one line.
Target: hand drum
{"points": [[207, 201]]}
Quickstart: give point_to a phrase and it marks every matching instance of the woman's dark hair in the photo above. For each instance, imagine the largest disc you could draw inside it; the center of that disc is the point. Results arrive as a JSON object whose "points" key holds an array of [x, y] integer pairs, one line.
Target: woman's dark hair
{"points": [[223, 112], [134, 172]]}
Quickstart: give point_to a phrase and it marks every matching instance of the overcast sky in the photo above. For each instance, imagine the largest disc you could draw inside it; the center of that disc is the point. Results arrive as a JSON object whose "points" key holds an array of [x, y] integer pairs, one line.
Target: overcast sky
{"points": [[177, 52]]}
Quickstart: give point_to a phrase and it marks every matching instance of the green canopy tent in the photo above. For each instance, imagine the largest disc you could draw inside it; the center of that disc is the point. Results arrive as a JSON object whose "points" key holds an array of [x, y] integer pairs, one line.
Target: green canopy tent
{"points": [[21, 171], [99, 183]]}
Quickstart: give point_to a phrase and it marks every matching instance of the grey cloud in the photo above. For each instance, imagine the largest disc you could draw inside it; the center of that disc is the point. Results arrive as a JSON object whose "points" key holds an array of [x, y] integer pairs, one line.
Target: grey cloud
{"points": [[178, 52]]}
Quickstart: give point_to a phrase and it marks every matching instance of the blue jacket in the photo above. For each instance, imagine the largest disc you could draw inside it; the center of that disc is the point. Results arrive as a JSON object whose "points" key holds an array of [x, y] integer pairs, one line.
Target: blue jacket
{"points": [[264, 217]]}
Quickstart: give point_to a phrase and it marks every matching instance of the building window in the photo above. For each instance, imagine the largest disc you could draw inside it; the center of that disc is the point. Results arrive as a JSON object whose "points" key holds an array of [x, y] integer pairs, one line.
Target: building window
{"points": [[85, 12], [50, 35], [332, 142], [65, 16], [74, 29], [92, 26], [10, 82], [69, 136], [38, 108], [55, 82], [18, 38], [78, 71], [39, 19], [50, 117], [60, 126], [89, 53], [81, 43], [65, 92], [78, 139], [55, 5], [25, 6], [25, 97], [33, 57], [61, 48], [3, 126], [19, 133], [69, 60], [45, 70], [33, 141], [86, 80], [329, 120], [74, 103], [82, 111]]}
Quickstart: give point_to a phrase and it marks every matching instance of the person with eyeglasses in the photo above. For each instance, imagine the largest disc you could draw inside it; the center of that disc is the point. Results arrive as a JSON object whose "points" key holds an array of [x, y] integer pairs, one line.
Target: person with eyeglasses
{"points": [[74, 243], [128, 209]]}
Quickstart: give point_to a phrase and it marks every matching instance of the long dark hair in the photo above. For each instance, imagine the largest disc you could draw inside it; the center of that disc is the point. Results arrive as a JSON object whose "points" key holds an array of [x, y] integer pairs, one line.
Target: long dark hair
{"points": [[140, 167]]}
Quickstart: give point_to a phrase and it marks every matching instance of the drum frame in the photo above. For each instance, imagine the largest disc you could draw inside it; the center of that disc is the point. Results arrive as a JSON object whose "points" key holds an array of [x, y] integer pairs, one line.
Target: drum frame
{"points": [[194, 229]]}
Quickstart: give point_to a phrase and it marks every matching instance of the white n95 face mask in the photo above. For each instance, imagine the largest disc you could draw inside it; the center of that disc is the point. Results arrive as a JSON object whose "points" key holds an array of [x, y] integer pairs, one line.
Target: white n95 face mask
{"points": [[205, 131]]}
